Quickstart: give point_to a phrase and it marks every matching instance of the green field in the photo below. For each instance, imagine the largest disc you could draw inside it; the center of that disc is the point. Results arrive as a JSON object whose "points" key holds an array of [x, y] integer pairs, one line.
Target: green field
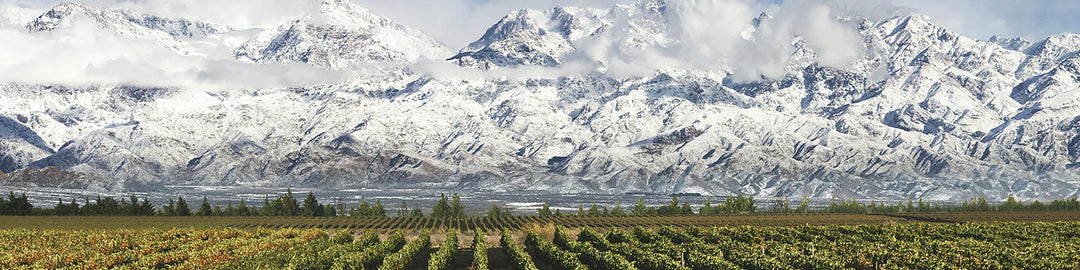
{"points": [[915, 245], [516, 222], [1024, 240]]}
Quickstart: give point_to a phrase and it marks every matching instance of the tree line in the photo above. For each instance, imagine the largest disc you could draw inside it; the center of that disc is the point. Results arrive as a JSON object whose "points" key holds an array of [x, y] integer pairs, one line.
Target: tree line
{"points": [[452, 208], [977, 204], [731, 205]]}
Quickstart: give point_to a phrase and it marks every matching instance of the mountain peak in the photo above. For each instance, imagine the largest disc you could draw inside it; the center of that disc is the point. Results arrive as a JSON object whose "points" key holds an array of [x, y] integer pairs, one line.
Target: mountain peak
{"points": [[347, 34], [349, 14], [57, 15]]}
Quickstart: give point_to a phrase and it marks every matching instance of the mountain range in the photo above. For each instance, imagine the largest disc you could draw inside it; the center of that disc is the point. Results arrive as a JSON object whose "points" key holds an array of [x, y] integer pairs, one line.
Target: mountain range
{"points": [[923, 112]]}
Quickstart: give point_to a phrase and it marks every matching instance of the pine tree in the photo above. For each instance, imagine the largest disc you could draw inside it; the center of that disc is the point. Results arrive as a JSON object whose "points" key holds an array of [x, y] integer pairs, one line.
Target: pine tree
{"points": [[379, 210], [182, 208], [311, 206], [617, 211], [457, 210], [544, 210], [640, 209], [204, 209], [290, 204], [169, 209], [494, 211], [593, 211], [442, 208]]}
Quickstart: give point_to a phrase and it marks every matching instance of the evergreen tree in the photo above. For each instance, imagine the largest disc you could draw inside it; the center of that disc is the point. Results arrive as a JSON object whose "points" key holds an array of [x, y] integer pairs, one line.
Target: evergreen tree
{"points": [[312, 207], [804, 206], [442, 208], [379, 210], [494, 211], [169, 209], [457, 210], [544, 210], [640, 209], [182, 208], [1011, 204], [617, 211], [593, 211], [204, 209], [417, 212], [290, 204]]}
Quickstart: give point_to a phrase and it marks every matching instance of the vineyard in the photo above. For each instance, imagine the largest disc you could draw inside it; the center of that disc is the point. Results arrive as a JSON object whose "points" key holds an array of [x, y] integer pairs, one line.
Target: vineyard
{"points": [[436, 224], [998, 245]]}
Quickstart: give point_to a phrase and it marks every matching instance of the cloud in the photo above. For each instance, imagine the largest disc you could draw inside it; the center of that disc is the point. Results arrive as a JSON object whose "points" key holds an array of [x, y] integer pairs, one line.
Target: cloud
{"points": [[84, 54], [720, 34], [984, 18], [237, 13], [459, 22], [713, 34], [1033, 20]]}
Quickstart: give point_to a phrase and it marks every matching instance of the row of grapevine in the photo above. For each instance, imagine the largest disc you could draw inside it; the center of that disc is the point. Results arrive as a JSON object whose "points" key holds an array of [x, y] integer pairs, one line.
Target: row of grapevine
{"points": [[407, 254], [518, 222], [441, 259], [372, 255], [561, 259], [590, 255], [518, 257], [1034, 245], [480, 258]]}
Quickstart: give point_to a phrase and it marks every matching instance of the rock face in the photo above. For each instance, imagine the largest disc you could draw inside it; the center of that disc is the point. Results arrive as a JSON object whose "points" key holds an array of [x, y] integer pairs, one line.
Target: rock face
{"points": [[349, 35], [51, 177], [170, 33], [925, 113]]}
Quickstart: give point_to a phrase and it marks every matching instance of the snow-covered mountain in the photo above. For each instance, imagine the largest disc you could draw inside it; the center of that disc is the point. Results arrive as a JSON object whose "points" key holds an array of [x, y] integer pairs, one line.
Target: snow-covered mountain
{"points": [[342, 34], [171, 33], [924, 112]]}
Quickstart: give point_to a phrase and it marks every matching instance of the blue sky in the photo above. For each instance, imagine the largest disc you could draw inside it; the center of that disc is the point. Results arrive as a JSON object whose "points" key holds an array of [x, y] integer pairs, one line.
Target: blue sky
{"points": [[458, 21]]}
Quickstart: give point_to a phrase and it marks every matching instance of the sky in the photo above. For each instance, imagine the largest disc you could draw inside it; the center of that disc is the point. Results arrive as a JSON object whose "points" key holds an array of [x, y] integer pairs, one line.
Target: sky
{"points": [[458, 22], [711, 34]]}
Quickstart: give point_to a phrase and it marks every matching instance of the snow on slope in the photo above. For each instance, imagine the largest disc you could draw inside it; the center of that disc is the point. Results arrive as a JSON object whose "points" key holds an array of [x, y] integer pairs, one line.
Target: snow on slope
{"points": [[342, 34], [925, 112], [169, 32]]}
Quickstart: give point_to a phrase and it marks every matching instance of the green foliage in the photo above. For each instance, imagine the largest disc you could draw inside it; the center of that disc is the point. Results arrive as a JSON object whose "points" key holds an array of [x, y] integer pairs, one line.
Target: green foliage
{"points": [[404, 257], [441, 259], [616, 235], [544, 211], [560, 259], [342, 237], [496, 211], [204, 209], [448, 207], [480, 258], [312, 208], [365, 209], [674, 209], [181, 209], [731, 205], [617, 211], [284, 205], [371, 255], [518, 257]]}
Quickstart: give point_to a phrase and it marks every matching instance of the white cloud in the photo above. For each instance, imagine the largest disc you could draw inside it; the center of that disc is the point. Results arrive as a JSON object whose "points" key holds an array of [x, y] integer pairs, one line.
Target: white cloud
{"points": [[84, 54], [459, 22], [713, 34], [719, 34]]}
